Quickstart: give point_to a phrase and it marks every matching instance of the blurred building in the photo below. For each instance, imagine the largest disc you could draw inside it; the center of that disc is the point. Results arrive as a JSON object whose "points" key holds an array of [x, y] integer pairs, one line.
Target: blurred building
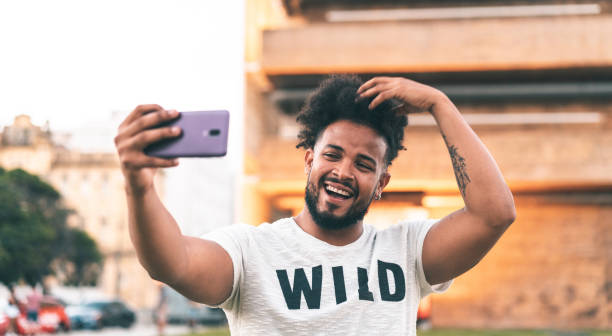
{"points": [[534, 81], [91, 184]]}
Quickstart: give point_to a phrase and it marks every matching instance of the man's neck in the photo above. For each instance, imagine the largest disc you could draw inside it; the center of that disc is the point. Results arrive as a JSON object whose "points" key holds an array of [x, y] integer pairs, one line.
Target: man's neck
{"points": [[339, 237]]}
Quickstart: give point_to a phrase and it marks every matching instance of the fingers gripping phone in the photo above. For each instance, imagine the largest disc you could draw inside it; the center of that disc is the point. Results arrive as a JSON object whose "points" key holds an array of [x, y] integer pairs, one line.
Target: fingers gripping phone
{"points": [[203, 134]]}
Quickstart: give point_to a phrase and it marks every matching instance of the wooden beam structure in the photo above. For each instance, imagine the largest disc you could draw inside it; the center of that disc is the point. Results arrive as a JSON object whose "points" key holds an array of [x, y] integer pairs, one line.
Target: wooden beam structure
{"points": [[441, 45]]}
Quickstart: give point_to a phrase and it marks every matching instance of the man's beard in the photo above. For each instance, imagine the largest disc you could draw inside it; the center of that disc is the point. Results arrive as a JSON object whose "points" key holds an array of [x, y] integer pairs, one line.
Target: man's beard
{"points": [[327, 220]]}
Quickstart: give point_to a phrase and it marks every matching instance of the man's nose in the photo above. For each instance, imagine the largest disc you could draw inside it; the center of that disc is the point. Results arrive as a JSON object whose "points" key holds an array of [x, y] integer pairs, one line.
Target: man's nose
{"points": [[344, 170]]}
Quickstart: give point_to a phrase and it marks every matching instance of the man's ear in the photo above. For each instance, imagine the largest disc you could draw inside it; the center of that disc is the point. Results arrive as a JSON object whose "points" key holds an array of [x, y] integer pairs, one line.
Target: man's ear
{"points": [[383, 181], [308, 157]]}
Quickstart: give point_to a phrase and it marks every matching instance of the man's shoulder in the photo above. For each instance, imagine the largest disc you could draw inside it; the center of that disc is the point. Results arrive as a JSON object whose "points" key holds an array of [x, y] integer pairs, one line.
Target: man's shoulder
{"points": [[280, 225], [406, 227], [248, 230]]}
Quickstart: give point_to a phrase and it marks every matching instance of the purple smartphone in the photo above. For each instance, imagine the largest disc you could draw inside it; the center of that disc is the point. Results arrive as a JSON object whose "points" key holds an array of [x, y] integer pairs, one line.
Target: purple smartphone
{"points": [[204, 134]]}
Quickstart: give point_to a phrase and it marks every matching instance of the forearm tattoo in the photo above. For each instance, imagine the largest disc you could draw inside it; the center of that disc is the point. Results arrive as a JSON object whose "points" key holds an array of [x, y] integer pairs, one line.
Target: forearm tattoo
{"points": [[458, 166]]}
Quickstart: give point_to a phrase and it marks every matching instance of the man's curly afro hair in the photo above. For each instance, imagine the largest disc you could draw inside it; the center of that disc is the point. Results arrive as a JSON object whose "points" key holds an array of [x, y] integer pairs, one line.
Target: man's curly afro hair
{"points": [[334, 100]]}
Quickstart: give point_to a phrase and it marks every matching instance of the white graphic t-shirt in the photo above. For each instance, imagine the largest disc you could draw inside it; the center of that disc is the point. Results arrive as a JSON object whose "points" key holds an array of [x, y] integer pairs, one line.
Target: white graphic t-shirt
{"points": [[287, 282]]}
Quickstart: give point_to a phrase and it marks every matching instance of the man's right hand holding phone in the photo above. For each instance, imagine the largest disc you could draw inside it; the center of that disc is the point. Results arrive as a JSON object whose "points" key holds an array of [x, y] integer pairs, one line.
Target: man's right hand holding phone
{"points": [[199, 269], [135, 133]]}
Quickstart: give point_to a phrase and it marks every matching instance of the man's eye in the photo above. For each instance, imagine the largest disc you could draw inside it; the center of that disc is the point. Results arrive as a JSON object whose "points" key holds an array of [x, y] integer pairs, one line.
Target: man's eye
{"points": [[364, 166], [331, 155]]}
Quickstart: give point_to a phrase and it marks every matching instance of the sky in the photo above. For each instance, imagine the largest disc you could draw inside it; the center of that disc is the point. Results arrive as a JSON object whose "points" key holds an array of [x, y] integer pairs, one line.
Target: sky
{"points": [[83, 65]]}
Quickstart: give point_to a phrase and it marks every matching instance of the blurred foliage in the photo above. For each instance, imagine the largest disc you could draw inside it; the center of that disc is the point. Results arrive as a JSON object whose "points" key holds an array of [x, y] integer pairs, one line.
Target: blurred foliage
{"points": [[82, 262], [471, 332], [35, 240], [212, 332]]}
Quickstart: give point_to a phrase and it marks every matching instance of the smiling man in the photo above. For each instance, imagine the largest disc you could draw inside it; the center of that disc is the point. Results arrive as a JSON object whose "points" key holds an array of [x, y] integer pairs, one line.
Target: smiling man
{"points": [[325, 271], [330, 186]]}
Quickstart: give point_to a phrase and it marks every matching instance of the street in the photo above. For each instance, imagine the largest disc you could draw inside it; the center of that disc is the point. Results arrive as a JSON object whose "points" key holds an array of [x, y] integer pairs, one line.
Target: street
{"points": [[138, 329], [144, 330]]}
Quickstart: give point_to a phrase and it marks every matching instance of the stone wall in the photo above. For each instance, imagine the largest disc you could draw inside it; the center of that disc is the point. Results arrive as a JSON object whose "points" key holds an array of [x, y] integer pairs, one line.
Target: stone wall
{"points": [[552, 269]]}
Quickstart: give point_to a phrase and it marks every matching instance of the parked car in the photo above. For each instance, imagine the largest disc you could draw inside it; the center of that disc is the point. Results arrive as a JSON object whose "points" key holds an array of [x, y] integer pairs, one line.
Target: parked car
{"points": [[52, 315], [22, 325], [25, 326], [181, 310], [83, 317], [113, 313], [4, 323], [424, 313], [196, 314]]}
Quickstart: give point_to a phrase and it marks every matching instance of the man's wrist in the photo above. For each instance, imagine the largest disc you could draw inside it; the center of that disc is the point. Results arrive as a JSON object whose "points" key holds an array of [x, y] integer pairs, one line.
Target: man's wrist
{"points": [[134, 186], [138, 190], [440, 103]]}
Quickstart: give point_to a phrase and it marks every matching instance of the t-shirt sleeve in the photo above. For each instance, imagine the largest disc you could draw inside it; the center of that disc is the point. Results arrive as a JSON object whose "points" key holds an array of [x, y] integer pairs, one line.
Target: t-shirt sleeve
{"points": [[233, 239], [419, 231]]}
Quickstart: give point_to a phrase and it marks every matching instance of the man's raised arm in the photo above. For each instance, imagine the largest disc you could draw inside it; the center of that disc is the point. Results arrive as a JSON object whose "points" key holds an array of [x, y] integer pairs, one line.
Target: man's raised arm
{"points": [[460, 240], [199, 269]]}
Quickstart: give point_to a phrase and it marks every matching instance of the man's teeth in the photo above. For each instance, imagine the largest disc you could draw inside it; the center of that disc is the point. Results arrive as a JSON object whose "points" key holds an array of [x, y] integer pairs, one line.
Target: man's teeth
{"points": [[338, 191]]}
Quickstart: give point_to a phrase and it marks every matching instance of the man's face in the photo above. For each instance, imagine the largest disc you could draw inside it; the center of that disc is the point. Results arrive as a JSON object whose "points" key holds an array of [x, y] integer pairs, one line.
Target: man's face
{"points": [[346, 170]]}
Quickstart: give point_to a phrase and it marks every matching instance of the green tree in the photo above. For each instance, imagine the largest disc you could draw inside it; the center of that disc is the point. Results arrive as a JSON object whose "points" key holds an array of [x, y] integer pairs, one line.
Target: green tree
{"points": [[82, 264], [35, 240]]}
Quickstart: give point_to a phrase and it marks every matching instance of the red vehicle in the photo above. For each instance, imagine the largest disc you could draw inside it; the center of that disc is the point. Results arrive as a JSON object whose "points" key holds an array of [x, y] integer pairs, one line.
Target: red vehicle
{"points": [[424, 313], [4, 323], [25, 326], [15, 317], [52, 316]]}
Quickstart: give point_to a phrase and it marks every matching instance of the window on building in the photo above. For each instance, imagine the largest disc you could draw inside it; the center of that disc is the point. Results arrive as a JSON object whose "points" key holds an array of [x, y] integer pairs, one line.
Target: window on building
{"points": [[105, 182], [85, 184]]}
